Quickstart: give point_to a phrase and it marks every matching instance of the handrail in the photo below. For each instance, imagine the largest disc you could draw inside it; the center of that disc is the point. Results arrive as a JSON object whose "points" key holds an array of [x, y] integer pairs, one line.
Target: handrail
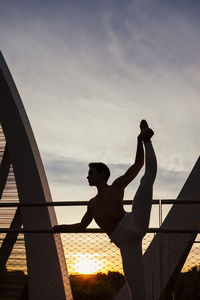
{"points": [[80, 203], [98, 230]]}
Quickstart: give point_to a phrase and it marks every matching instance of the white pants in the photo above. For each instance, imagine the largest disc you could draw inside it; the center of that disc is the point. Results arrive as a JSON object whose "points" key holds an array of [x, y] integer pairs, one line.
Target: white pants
{"points": [[133, 226]]}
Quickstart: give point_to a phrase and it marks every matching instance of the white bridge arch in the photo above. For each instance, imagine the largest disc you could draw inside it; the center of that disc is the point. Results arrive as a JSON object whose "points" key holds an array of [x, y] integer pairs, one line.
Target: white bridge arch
{"points": [[47, 270]]}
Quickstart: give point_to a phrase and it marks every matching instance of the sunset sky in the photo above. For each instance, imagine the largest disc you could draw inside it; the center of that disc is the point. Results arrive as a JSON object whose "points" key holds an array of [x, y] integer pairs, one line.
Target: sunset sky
{"points": [[88, 71]]}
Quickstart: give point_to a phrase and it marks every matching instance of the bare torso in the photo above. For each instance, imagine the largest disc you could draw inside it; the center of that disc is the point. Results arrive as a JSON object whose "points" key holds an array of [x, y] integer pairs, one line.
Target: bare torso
{"points": [[107, 208]]}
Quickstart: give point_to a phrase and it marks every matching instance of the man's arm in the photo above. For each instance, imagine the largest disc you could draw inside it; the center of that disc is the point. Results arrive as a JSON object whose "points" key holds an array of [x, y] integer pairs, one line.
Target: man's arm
{"points": [[78, 227], [131, 173]]}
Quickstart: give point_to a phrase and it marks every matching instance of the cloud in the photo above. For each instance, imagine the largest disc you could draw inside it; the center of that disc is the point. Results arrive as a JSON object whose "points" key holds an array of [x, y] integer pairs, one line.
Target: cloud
{"points": [[65, 170], [169, 183], [72, 174], [87, 79]]}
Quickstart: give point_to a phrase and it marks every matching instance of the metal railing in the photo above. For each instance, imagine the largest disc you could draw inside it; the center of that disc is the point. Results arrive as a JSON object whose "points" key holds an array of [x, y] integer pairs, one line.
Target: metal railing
{"points": [[90, 251], [158, 202]]}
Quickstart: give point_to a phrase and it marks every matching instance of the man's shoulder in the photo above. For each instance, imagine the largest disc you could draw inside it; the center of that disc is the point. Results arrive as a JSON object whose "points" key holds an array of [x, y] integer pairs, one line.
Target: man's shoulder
{"points": [[116, 186], [91, 201]]}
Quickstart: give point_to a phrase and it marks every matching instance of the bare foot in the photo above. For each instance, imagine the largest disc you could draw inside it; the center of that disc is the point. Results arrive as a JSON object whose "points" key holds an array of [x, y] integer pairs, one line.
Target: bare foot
{"points": [[143, 125], [146, 132]]}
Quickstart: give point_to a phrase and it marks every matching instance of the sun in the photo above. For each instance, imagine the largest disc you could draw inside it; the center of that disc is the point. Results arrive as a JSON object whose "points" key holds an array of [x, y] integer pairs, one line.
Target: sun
{"points": [[85, 265]]}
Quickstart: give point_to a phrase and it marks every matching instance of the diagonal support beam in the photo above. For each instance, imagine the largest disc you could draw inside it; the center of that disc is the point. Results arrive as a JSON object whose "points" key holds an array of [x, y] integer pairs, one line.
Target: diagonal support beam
{"points": [[4, 169], [166, 255], [10, 239]]}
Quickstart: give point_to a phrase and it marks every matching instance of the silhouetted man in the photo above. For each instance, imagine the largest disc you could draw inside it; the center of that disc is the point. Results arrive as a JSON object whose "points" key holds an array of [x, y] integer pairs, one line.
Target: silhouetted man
{"points": [[125, 229]]}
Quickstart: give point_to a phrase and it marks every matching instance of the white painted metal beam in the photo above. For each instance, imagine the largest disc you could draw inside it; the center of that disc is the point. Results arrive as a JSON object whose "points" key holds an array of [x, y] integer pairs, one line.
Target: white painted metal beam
{"points": [[47, 270]]}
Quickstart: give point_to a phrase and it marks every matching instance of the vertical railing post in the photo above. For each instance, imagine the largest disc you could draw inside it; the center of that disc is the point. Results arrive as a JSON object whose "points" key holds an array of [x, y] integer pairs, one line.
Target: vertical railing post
{"points": [[160, 245], [153, 269]]}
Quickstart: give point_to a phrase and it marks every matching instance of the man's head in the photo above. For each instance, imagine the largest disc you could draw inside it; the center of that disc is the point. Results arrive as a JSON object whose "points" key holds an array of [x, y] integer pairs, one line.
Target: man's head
{"points": [[98, 172]]}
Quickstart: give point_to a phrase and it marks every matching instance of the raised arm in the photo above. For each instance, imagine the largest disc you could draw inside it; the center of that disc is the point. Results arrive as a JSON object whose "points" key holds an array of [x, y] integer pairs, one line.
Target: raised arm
{"points": [[78, 227], [131, 173]]}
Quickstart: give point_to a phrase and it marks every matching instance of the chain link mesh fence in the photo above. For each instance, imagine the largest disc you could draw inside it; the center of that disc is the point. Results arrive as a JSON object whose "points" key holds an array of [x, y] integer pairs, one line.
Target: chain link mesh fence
{"points": [[90, 253], [86, 254]]}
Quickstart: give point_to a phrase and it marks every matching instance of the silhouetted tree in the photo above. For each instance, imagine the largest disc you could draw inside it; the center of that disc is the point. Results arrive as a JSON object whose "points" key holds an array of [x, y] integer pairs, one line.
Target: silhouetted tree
{"points": [[187, 286], [104, 286], [96, 287]]}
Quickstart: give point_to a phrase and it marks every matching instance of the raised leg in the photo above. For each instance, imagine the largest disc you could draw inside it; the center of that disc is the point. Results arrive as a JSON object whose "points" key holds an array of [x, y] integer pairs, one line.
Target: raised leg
{"points": [[131, 249], [142, 201]]}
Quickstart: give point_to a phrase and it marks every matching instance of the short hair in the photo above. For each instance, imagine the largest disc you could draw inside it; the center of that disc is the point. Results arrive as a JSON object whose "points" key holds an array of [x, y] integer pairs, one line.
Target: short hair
{"points": [[101, 168]]}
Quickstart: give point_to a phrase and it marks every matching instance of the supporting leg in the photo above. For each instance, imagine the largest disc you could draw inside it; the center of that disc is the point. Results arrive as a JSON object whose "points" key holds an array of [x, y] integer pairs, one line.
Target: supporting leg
{"points": [[133, 268]]}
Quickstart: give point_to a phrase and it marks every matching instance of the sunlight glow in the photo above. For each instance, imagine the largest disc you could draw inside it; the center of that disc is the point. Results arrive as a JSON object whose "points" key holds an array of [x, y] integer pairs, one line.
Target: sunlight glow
{"points": [[87, 265]]}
